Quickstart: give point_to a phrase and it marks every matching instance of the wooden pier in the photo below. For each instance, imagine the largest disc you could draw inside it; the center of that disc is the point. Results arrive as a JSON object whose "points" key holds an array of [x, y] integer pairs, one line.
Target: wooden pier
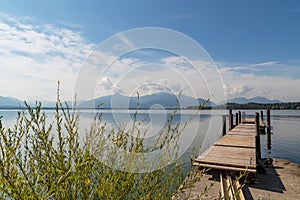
{"points": [[238, 150]]}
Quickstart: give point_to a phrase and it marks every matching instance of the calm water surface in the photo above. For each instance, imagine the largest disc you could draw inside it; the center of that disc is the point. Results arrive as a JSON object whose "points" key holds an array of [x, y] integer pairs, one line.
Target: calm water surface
{"points": [[202, 131]]}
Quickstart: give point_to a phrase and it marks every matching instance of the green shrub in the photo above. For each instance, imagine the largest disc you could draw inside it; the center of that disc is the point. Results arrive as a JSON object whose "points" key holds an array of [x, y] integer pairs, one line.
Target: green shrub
{"points": [[39, 160]]}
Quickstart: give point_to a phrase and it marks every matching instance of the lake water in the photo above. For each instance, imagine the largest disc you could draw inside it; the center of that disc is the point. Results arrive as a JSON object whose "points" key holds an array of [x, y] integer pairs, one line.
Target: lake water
{"points": [[202, 130], [285, 136]]}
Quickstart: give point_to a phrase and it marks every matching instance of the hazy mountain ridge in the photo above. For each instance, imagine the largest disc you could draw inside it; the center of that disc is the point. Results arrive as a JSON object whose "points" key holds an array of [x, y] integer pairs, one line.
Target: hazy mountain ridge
{"points": [[158, 100], [259, 99], [10, 102], [162, 99]]}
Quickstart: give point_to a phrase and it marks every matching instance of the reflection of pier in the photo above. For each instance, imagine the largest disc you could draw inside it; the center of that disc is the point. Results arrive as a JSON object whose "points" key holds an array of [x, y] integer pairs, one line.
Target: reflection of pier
{"points": [[238, 150]]}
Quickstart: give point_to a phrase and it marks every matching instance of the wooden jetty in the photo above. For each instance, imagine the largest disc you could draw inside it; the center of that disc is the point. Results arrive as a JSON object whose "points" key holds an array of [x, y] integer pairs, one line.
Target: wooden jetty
{"points": [[238, 150]]}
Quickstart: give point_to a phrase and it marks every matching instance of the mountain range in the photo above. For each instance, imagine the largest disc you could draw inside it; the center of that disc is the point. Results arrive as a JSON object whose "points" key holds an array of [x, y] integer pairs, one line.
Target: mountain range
{"points": [[243, 100], [163, 99], [10, 102]]}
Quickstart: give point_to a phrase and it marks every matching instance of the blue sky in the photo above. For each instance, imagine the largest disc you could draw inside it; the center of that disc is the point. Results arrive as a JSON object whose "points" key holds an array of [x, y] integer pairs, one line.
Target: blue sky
{"points": [[255, 44]]}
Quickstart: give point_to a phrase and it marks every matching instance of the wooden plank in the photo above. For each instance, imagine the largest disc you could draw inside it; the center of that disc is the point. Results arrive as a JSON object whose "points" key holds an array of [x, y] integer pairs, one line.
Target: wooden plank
{"points": [[239, 134], [252, 121], [229, 156], [221, 167], [205, 153], [229, 160], [242, 131], [237, 141], [243, 126]]}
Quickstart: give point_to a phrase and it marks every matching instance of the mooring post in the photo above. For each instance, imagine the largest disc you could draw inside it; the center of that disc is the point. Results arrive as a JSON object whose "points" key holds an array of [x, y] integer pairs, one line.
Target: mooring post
{"points": [[257, 137], [240, 117], [268, 118], [262, 115], [269, 142], [230, 118], [224, 125], [236, 119]]}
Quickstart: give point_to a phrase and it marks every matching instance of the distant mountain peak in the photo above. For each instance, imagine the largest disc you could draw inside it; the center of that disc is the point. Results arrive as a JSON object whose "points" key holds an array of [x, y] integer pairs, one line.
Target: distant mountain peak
{"points": [[258, 99]]}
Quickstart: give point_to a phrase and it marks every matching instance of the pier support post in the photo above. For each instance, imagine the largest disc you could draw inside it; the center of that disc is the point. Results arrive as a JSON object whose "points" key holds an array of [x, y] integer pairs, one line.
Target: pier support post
{"points": [[269, 142], [268, 118], [240, 117], [230, 118], [257, 137], [262, 115], [224, 125], [236, 119]]}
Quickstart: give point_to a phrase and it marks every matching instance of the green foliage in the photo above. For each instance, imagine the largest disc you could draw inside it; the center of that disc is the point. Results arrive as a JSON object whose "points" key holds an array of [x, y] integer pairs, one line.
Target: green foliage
{"points": [[40, 160]]}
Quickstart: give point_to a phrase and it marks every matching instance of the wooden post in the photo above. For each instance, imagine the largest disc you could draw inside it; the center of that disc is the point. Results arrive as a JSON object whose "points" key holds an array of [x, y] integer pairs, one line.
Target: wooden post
{"points": [[269, 142], [257, 137], [236, 119], [240, 117], [224, 124], [230, 118], [268, 118], [262, 115]]}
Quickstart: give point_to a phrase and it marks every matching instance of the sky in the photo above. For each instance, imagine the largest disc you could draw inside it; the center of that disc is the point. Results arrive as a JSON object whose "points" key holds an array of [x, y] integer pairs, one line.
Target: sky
{"points": [[249, 48]]}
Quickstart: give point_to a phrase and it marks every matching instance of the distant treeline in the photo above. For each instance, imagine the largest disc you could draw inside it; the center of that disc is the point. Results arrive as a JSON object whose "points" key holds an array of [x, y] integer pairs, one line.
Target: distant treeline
{"points": [[254, 106]]}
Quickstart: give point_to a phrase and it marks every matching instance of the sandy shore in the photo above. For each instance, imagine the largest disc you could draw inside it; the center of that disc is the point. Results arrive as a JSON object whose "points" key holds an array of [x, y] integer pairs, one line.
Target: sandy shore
{"points": [[281, 181]]}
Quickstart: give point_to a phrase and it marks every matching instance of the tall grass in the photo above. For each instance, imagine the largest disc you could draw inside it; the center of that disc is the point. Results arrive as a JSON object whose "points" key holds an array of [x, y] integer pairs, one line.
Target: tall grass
{"points": [[40, 160]]}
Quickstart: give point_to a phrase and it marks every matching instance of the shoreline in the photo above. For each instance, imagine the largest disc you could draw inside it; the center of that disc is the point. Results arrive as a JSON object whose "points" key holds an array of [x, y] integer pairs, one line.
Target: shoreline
{"points": [[281, 181]]}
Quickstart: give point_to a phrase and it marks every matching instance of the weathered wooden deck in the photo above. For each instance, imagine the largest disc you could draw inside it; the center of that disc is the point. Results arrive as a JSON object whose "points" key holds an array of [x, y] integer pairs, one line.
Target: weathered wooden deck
{"points": [[236, 151], [252, 120]]}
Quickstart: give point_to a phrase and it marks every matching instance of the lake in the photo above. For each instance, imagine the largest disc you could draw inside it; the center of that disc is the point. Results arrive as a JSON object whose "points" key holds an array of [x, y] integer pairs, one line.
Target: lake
{"points": [[202, 129]]}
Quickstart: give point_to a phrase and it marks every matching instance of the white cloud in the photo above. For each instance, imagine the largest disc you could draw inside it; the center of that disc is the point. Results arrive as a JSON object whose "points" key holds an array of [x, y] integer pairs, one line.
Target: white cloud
{"points": [[33, 57], [173, 60], [108, 86], [122, 44], [235, 90], [251, 85], [264, 64]]}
